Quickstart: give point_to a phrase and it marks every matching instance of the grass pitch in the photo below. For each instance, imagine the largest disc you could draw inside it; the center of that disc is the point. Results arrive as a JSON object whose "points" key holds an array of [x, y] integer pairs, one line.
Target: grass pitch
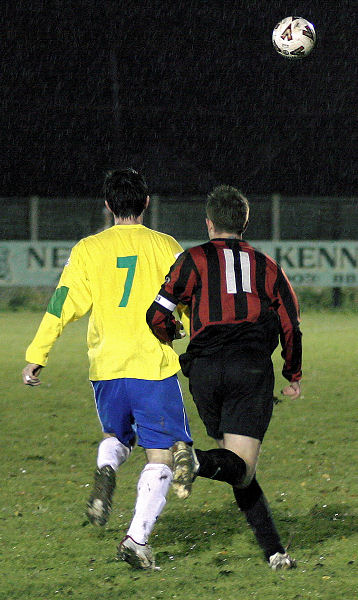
{"points": [[308, 470]]}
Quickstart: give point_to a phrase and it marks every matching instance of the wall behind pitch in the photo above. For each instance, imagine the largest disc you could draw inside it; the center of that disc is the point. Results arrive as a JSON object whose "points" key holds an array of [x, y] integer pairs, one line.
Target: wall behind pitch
{"points": [[298, 218]]}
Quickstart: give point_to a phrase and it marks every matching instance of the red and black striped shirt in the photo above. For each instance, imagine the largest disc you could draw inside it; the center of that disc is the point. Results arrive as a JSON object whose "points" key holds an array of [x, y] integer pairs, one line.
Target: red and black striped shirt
{"points": [[236, 295]]}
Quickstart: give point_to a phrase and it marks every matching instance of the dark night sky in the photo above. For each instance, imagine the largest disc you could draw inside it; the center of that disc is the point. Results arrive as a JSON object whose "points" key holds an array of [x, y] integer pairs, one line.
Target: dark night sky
{"points": [[202, 97]]}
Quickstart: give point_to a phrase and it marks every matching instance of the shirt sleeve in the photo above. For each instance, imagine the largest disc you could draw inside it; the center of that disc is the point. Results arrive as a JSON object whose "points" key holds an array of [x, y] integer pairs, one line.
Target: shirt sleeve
{"points": [[175, 247], [290, 334], [177, 289], [71, 300]]}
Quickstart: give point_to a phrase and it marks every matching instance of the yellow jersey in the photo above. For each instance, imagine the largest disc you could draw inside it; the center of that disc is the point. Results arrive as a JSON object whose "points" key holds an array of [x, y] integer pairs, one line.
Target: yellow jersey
{"points": [[116, 275]]}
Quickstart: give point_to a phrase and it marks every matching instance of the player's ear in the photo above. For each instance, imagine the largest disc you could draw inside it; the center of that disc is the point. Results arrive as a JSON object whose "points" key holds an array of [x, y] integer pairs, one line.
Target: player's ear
{"points": [[211, 227], [107, 206], [147, 202], [245, 226]]}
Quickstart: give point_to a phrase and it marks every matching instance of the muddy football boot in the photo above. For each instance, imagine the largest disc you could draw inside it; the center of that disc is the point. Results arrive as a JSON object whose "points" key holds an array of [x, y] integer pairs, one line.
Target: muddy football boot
{"points": [[100, 502], [281, 561], [139, 556], [185, 467]]}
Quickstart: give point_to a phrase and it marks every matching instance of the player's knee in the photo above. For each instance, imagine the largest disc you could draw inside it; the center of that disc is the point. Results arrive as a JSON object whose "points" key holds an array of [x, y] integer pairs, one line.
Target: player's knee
{"points": [[248, 477]]}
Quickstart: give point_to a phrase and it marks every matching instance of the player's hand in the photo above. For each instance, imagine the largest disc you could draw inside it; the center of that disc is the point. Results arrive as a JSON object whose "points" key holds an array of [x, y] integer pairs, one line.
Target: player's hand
{"points": [[293, 390], [30, 374], [179, 330]]}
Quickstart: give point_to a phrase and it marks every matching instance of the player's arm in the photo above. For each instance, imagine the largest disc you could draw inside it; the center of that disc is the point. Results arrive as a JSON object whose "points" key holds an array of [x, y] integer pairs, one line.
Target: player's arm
{"points": [[290, 334], [182, 311], [160, 317], [176, 290], [70, 301]]}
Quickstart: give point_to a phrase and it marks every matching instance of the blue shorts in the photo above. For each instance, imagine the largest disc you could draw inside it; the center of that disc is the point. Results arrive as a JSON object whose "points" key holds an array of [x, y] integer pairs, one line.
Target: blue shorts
{"points": [[154, 410]]}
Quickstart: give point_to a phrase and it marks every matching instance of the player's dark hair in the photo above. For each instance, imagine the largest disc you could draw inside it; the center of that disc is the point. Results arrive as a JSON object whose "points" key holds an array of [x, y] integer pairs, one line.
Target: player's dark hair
{"points": [[228, 209], [126, 192]]}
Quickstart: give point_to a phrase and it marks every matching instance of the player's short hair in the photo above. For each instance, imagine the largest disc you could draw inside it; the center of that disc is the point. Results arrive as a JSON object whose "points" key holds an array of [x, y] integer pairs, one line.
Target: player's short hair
{"points": [[126, 192], [228, 209]]}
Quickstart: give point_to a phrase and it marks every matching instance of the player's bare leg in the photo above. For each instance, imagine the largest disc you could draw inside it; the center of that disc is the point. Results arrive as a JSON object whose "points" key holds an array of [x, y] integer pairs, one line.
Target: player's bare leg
{"points": [[237, 467], [247, 448], [252, 502], [159, 456]]}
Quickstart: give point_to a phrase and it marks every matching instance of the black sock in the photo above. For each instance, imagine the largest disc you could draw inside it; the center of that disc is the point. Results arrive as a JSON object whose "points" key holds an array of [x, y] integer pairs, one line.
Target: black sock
{"points": [[222, 465], [254, 505]]}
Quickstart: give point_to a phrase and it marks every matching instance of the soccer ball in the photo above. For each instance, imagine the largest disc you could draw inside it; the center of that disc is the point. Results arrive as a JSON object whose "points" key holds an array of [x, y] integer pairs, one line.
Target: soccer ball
{"points": [[294, 37]]}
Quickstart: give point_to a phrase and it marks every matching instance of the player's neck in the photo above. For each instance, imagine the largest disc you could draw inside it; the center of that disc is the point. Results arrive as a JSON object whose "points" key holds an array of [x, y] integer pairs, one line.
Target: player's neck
{"points": [[225, 235], [129, 220]]}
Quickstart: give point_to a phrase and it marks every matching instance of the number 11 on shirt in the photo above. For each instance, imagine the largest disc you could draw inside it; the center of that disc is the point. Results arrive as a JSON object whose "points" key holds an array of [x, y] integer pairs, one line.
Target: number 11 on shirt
{"points": [[231, 284]]}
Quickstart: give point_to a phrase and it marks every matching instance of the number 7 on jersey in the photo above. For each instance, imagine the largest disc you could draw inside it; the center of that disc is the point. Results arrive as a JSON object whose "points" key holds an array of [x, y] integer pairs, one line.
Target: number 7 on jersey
{"points": [[127, 262]]}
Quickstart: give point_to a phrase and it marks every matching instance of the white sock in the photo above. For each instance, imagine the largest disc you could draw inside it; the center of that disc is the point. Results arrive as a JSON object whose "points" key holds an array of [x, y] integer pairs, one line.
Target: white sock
{"points": [[112, 452], [152, 488]]}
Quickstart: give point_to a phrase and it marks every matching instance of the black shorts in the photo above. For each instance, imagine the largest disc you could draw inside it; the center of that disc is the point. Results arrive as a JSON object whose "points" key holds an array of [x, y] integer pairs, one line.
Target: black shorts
{"points": [[233, 392]]}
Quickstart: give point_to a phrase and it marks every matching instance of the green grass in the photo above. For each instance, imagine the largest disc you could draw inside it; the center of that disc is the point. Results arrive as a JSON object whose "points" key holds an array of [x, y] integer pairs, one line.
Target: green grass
{"points": [[308, 469]]}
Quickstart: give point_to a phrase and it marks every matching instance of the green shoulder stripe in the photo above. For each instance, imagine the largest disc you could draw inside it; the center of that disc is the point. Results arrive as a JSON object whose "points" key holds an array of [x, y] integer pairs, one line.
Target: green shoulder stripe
{"points": [[56, 303]]}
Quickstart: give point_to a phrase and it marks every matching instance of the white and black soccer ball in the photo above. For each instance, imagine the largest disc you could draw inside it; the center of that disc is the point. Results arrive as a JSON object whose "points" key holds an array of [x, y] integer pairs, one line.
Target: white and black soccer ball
{"points": [[294, 37]]}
